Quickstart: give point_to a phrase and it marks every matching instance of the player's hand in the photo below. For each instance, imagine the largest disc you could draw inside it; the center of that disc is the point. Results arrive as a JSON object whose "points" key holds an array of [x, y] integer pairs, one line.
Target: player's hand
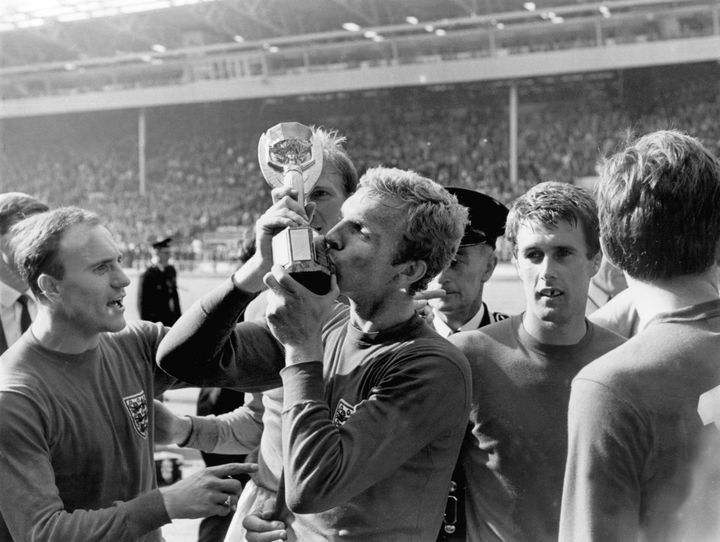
{"points": [[285, 212], [420, 302], [296, 315], [260, 528], [210, 492]]}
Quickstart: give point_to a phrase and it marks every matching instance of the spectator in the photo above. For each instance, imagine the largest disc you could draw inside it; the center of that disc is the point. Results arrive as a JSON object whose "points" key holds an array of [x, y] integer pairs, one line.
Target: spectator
{"points": [[17, 304]]}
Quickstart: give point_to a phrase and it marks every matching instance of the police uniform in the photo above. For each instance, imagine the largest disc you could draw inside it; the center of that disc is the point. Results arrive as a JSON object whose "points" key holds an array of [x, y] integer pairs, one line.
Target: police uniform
{"points": [[487, 218], [158, 299]]}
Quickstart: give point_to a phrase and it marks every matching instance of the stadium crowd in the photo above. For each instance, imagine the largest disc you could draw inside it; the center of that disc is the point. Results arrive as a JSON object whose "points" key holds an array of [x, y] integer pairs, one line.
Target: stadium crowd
{"points": [[199, 181]]}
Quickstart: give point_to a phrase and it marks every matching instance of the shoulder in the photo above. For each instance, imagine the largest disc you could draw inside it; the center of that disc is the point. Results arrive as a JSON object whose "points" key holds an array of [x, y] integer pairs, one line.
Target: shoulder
{"points": [[618, 315], [604, 339], [477, 340], [25, 379], [430, 354], [432, 364], [138, 336], [659, 365], [150, 270]]}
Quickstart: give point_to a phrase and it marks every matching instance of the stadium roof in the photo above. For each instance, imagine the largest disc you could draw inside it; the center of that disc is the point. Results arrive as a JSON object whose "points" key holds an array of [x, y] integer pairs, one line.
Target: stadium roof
{"points": [[46, 31]]}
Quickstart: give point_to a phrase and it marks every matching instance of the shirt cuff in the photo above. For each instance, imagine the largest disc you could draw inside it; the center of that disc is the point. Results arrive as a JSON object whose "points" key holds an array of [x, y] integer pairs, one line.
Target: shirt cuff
{"points": [[146, 513]]}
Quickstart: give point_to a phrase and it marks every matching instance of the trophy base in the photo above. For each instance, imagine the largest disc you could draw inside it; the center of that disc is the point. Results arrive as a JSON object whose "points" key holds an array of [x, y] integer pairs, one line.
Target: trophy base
{"points": [[295, 250], [317, 282]]}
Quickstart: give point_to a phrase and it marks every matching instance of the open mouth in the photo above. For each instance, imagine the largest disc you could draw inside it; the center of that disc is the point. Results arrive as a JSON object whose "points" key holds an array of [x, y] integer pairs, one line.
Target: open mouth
{"points": [[117, 303], [550, 292]]}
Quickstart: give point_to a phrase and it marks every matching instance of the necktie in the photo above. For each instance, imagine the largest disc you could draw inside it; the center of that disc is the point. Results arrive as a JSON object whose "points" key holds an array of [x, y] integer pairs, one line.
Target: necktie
{"points": [[25, 320]]}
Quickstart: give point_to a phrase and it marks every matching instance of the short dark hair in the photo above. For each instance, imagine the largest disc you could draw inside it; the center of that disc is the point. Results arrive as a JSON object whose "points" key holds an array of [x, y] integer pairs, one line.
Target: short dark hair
{"points": [[549, 203], [35, 242], [659, 204], [15, 206]]}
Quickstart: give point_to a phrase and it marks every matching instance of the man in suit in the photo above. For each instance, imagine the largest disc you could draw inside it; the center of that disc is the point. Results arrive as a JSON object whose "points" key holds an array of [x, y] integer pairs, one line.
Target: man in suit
{"points": [[17, 305], [461, 308], [158, 299]]}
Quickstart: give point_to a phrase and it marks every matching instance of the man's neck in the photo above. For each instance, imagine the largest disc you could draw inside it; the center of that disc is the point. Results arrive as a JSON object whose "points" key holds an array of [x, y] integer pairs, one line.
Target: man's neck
{"points": [[383, 314], [553, 333], [57, 335], [655, 297]]}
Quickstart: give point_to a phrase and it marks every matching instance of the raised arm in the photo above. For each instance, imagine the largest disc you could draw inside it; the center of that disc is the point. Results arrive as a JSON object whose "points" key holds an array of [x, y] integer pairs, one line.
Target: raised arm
{"points": [[206, 346]]}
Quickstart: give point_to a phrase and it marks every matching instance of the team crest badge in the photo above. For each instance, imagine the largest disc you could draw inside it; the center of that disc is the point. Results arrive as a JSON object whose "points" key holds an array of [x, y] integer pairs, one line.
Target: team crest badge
{"points": [[137, 408], [342, 412]]}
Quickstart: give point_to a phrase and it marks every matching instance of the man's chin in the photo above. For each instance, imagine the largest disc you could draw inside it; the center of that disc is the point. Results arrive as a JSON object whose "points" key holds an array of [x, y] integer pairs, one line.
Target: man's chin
{"points": [[116, 326]]}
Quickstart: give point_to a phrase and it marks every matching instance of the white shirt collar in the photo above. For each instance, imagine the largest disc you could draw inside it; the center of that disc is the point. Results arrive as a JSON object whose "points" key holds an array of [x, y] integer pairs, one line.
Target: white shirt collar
{"points": [[8, 295], [442, 328]]}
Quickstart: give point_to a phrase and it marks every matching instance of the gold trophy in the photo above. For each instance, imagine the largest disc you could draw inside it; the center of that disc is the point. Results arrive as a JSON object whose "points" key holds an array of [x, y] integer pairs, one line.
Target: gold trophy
{"points": [[289, 156]]}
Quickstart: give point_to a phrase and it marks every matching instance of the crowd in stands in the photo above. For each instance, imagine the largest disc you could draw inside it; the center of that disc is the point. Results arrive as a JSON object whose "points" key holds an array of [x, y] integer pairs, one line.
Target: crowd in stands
{"points": [[197, 182]]}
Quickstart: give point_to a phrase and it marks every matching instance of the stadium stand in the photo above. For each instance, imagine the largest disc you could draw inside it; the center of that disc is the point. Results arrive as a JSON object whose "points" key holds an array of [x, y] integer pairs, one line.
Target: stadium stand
{"points": [[200, 171]]}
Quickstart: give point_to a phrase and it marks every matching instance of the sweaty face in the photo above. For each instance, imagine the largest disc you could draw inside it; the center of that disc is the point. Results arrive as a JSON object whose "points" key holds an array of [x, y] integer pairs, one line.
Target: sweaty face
{"points": [[92, 289], [363, 246], [463, 282], [328, 195], [555, 271]]}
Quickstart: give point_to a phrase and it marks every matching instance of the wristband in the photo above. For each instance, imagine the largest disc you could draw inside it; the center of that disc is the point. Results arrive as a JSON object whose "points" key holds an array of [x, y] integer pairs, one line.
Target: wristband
{"points": [[187, 438]]}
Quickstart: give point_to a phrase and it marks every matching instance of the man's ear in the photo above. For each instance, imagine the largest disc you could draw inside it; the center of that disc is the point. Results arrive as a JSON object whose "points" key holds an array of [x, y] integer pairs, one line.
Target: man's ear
{"points": [[489, 267], [411, 271], [49, 286]]}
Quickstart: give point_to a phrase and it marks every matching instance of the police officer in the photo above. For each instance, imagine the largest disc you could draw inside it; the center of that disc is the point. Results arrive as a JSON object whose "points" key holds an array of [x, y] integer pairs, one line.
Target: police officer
{"points": [[158, 299], [461, 308]]}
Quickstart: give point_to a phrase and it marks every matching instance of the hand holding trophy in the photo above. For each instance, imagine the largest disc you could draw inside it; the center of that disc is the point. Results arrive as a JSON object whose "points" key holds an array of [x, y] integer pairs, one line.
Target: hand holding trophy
{"points": [[289, 156]]}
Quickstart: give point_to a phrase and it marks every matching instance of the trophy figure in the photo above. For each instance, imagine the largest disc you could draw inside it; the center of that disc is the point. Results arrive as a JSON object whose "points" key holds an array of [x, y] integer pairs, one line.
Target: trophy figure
{"points": [[289, 156]]}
